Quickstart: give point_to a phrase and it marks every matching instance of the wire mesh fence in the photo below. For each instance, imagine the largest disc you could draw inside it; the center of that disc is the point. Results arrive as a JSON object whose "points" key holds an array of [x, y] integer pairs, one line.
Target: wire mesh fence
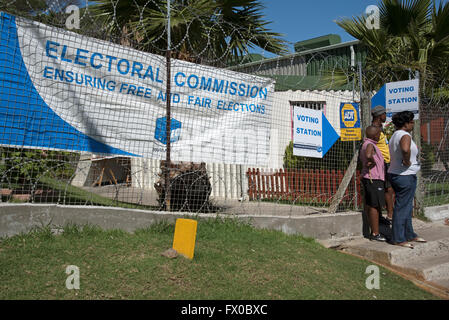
{"points": [[95, 100]]}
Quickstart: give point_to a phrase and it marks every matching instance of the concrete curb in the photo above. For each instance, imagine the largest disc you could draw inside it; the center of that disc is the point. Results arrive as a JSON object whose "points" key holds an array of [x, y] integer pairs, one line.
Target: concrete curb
{"points": [[21, 218], [437, 213]]}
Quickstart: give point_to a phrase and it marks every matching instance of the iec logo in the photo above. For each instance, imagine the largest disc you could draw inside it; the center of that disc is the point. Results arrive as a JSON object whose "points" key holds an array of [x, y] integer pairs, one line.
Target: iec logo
{"points": [[161, 125]]}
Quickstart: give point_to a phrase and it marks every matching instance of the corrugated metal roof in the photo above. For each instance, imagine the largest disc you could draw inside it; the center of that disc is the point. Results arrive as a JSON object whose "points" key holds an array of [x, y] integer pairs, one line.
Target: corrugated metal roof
{"points": [[297, 54]]}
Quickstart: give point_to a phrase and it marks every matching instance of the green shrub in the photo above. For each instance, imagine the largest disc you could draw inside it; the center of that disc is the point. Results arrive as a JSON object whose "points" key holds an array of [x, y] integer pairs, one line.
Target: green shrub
{"points": [[20, 167]]}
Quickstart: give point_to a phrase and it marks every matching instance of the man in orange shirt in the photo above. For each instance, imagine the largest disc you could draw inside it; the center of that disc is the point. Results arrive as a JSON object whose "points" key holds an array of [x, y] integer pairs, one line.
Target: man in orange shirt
{"points": [[379, 117]]}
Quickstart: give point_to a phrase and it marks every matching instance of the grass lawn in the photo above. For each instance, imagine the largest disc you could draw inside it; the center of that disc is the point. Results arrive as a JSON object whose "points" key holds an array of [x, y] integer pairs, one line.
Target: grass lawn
{"points": [[436, 194], [232, 261]]}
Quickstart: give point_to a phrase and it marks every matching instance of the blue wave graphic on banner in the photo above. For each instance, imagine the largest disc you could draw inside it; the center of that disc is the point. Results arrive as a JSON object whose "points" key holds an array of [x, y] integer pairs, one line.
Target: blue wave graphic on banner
{"points": [[25, 119]]}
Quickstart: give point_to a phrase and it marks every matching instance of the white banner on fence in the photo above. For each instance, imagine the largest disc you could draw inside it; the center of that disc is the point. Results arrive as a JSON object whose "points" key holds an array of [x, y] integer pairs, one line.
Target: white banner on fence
{"points": [[61, 90]]}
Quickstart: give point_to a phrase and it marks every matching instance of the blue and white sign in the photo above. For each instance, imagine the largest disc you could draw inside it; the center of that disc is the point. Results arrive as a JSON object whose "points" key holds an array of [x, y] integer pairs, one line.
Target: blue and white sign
{"points": [[64, 91], [398, 96], [313, 135]]}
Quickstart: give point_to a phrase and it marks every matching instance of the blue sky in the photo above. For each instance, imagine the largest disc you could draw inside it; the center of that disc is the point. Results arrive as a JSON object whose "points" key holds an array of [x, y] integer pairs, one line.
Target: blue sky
{"points": [[306, 19]]}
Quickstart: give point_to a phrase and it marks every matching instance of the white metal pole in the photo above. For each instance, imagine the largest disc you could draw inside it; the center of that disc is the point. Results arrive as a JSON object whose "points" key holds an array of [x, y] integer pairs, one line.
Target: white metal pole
{"points": [[168, 116]]}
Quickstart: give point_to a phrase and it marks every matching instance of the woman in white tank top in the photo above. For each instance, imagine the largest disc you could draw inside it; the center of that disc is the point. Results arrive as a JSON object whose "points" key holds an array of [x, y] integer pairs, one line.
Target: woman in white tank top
{"points": [[402, 172]]}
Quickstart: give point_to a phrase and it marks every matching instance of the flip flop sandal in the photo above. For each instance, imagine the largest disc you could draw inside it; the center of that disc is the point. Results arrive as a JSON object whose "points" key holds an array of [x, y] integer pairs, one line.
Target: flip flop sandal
{"points": [[405, 244], [418, 239]]}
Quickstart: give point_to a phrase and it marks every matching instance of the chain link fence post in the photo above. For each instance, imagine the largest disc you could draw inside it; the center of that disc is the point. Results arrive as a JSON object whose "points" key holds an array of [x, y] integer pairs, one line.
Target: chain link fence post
{"points": [[420, 190]]}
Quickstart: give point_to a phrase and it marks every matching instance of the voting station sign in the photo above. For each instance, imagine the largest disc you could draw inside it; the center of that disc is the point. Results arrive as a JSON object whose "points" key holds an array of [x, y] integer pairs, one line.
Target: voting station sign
{"points": [[397, 97], [350, 122], [63, 91], [313, 135]]}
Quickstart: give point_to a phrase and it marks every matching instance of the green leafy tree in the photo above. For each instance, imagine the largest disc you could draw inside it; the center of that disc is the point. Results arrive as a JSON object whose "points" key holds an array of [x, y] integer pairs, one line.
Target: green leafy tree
{"points": [[413, 36]]}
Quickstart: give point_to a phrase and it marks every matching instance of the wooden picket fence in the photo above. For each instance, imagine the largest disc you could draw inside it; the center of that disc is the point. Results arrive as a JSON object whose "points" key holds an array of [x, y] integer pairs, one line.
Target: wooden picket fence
{"points": [[301, 186]]}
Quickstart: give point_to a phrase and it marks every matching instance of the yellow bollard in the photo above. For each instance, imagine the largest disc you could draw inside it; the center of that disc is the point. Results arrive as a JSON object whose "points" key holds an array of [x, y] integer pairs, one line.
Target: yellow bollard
{"points": [[185, 235]]}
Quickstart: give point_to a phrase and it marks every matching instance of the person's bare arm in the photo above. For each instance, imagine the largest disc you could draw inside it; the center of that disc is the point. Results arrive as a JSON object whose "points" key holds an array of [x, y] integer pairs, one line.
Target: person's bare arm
{"points": [[405, 144], [369, 152]]}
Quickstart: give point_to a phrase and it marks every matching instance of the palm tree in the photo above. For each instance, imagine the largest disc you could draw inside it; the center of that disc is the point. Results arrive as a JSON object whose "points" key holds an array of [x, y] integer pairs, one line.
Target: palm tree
{"points": [[413, 36], [201, 30]]}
